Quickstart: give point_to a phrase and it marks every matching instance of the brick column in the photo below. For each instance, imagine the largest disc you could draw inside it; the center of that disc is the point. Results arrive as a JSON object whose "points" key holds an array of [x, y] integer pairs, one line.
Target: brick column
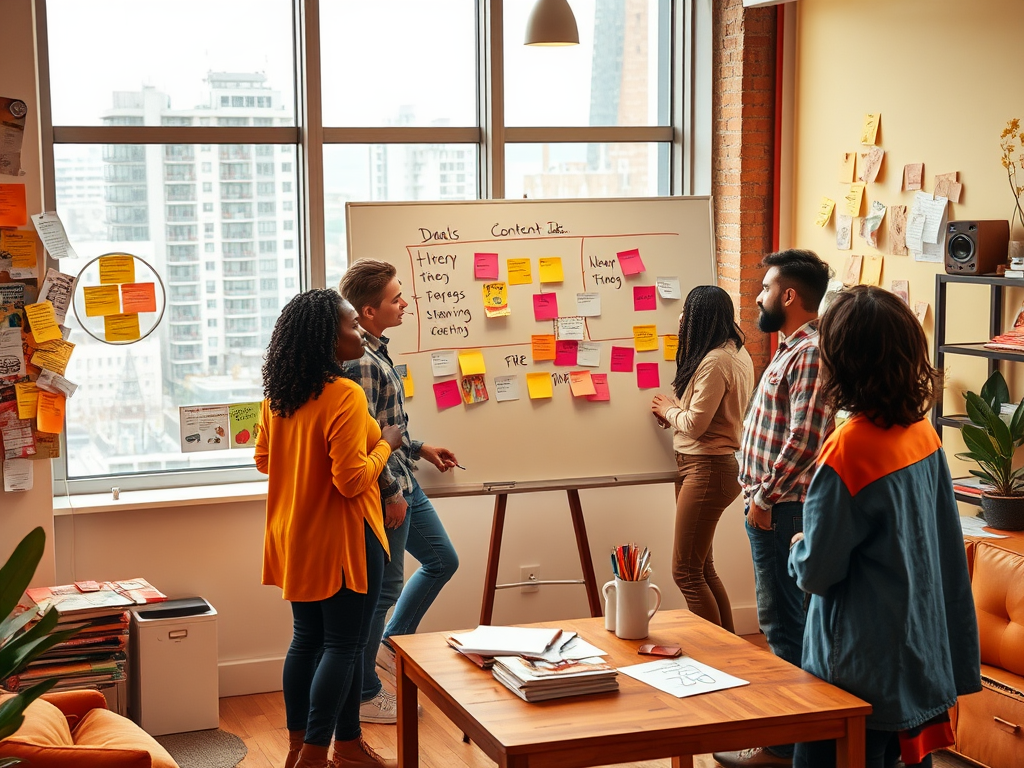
{"points": [[743, 110]]}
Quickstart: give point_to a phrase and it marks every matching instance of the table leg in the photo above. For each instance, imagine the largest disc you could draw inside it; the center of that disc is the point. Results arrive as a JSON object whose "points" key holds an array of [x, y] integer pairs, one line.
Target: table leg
{"points": [[682, 761], [408, 722], [850, 748]]}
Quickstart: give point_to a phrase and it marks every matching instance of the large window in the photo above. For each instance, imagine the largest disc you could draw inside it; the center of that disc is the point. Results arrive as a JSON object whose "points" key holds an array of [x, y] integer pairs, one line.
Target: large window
{"points": [[182, 141]]}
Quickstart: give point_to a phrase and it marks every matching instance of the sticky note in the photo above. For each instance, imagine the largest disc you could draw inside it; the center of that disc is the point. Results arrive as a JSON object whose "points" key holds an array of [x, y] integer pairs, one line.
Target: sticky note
{"points": [[408, 387], [539, 385], [846, 166], [644, 298], [13, 211], [622, 359], [671, 347], [913, 175], [545, 306], [519, 271], [443, 363], [871, 270], [645, 338], [825, 211], [485, 266], [474, 389], [54, 356], [50, 413], [581, 383], [551, 269], [853, 199], [630, 262], [601, 392], [870, 130], [118, 268], [506, 388], [571, 327], [851, 276], [138, 297], [588, 304], [43, 321], [121, 327], [101, 300], [588, 353], [27, 394], [668, 288], [647, 376], [542, 346], [496, 300], [447, 394], [472, 361], [565, 353], [20, 247]]}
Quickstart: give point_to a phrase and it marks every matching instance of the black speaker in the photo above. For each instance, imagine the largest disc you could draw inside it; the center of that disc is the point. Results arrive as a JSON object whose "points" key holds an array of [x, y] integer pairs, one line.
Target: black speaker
{"points": [[976, 247]]}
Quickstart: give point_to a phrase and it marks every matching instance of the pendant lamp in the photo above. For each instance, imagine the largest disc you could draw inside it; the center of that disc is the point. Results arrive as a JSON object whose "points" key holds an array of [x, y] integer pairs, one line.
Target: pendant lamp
{"points": [[551, 23]]}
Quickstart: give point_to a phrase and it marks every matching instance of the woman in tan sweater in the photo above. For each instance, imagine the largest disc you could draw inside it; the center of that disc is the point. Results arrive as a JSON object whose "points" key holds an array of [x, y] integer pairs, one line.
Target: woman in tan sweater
{"points": [[324, 544], [713, 383]]}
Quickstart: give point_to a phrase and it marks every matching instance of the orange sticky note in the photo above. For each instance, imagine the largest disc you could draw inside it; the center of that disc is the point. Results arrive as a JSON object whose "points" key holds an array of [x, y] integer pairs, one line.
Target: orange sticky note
{"points": [[581, 384], [43, 321], [121, 327], [138, 297], [101, 300], [117, 268], [543, 347], [50, 414], [13, 211], [27, 394], [519, 271], [21, 247]]}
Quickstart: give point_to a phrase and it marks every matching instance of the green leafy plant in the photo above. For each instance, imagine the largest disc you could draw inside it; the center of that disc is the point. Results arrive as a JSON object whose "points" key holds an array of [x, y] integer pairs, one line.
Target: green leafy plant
{"points": [[990, 441], [18, 645]]}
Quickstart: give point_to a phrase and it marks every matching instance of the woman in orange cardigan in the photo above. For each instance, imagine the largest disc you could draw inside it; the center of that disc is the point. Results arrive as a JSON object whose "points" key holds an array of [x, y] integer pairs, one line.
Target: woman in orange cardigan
{"points": [[324, 544]]}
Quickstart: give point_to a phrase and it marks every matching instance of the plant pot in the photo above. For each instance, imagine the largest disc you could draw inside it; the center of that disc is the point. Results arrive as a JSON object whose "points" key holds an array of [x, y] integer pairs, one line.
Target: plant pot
{"points": [[1003, 512]]}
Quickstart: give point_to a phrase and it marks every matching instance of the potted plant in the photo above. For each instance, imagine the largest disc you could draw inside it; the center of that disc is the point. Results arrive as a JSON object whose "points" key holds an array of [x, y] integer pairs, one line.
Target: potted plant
{"points": [[991, 443]]}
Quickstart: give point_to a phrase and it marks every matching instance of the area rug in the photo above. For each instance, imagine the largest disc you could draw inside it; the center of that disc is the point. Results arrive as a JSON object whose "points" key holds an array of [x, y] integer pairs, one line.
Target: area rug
{"points": [[205, 749]]}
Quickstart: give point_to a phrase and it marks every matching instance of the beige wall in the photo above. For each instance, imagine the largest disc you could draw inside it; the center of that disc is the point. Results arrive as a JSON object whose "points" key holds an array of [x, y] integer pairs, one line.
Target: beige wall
{"points": [[945, 76]]}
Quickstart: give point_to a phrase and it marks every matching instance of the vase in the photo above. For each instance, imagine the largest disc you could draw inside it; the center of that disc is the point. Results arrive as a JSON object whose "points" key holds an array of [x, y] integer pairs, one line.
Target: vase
{"points": [[1003, 512]]}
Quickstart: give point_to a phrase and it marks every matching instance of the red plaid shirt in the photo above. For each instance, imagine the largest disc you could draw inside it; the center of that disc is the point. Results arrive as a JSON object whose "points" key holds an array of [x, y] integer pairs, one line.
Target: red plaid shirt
{"points": [[786, 424]]}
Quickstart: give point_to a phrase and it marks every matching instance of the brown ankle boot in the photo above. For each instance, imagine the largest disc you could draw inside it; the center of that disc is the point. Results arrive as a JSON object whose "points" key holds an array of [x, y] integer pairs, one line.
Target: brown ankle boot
{"points": [[311, 756], [294, 747], [358, 754]]}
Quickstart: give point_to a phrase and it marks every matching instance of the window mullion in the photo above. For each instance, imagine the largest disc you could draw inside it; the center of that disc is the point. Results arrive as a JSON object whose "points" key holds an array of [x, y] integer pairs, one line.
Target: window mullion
{"points": [[310, 113]]}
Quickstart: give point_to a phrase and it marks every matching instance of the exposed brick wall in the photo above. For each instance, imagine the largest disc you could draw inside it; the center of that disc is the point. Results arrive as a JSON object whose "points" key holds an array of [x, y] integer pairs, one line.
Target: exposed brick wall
{"points": [[743, 108]]}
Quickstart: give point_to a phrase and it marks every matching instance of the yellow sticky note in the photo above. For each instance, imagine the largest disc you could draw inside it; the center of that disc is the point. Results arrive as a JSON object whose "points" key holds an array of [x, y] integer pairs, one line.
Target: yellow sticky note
{"points": [[847, 162], [543, 346], [495, 299], [43, 321], [119, 268], [825, 211], [21, 245], [671, 347], [519, 272], [871, 271], [101, 300], [28, 395], [853, 198], [407, 384], [50, 415], [121, 327], [870, 130], [551, 269], [54, 356], [540, 385], [645, 338], [472, 361], [581, 384]]}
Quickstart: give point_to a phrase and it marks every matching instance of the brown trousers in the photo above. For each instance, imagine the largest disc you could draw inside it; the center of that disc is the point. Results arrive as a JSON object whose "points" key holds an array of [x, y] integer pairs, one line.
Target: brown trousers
{"points": [[705, 487]]}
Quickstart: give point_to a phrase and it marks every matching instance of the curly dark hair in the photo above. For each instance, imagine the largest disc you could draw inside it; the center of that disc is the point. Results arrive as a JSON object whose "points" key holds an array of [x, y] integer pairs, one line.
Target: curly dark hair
{"points": [[300, 360], [708, 321], [802, 271], [874, 358]]}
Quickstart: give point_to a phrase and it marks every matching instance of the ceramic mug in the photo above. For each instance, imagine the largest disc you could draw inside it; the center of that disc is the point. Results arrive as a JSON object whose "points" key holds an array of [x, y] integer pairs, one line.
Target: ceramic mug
{"points": [[633, 609], [608, 590]]}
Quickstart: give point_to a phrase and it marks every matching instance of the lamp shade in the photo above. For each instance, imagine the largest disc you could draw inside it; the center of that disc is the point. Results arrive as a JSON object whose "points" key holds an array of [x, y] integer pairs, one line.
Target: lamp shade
{"points": [[551, 23]]}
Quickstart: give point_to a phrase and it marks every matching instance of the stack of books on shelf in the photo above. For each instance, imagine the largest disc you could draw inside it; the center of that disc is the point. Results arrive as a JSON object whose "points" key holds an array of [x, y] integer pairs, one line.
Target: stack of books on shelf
{"points": [[970, 486], [1013, 339]]}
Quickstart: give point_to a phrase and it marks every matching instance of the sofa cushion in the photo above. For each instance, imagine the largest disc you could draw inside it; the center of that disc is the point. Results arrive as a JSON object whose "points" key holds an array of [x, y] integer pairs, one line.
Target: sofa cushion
{"points": [[998, 587], [106, 729], [44, 726]]}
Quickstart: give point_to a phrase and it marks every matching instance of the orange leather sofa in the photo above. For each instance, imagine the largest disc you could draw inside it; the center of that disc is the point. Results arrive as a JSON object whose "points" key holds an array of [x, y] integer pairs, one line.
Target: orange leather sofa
{"points": [[75, 728], [989, 725]]}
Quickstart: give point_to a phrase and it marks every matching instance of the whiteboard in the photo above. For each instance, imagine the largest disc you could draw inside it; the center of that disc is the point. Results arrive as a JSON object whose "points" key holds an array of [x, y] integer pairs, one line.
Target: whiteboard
{"points": [[562, 441]]}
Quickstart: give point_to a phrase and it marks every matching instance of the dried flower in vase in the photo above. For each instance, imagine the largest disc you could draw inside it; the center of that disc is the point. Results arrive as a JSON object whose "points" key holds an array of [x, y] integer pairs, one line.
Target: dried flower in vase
{"points": [[1009, 139]]}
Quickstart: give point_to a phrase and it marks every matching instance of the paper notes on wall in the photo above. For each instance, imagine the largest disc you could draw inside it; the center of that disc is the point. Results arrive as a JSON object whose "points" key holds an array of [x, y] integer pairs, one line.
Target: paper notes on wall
{"points": [[54, 356], [844, 231], [853, 199], [447, 394], [671, 347], [42, 321], [824, 211], [644, 298], [921, 311], [117, 268], [540, 386], [847, 161], [471, 361], [851, 275], [218, 427], [622, 359], [485, 266], [581, 383], [871, 271], [601, 391], [572, 327], [474, 389], [630, 262], [902, 289], [13, 210], [898, 230], [550, 269], [506, 388], [519, 271], [588, 304], [566, 353], [869, 133], [545, 306], [668, 288], [542, 346], [870, 224], [443, 363], [20, 249], [588, 353], [138, 297], [58, 288], [408, 386], [121, 327], [495, 296], [645, 338], [50, 416], [101, 300], [647, 376], [869, 164], [947, 186], [51, 231]]}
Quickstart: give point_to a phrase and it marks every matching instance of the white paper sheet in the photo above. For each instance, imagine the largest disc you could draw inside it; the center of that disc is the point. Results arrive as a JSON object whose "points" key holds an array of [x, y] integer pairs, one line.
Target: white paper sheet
{"points": [[588, 353], [668, 288], [974, 526], [444, 363], [17, 475], [506, 388], [682, 676], [588, 304], [51, 232]]}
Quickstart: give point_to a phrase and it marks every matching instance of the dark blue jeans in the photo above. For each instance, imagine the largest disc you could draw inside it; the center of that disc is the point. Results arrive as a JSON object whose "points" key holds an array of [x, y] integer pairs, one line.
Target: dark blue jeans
{"points": [[780, 603], [882, 749], [322, 671]]}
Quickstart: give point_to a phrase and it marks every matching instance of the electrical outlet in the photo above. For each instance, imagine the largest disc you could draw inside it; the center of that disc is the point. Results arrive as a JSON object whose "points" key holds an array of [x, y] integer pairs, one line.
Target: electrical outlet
{"points": [[529, 573]]}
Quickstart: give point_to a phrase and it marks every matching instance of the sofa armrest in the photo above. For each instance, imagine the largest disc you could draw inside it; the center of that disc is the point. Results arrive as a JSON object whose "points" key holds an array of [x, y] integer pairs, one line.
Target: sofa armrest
{"points": [[76, 704]]}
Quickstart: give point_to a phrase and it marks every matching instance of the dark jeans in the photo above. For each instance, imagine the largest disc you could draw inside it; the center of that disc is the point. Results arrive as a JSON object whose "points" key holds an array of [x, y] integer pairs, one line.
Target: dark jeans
{"points": [[882, 749], [322, 671], [780, 603]]}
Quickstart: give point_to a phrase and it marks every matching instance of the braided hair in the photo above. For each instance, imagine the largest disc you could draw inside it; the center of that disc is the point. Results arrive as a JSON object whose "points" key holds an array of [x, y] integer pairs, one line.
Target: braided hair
{"points": [[708, 321], [301, 360]]}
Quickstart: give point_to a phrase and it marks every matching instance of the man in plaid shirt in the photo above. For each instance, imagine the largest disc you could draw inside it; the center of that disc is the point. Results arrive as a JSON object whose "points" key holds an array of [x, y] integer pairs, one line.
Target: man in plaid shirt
{"points": [[785, 425]]}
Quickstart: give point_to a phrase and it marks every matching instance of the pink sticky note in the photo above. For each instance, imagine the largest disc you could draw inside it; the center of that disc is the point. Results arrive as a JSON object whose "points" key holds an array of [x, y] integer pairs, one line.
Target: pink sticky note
{"points": [[631, 262], [600, 387], [545, 306], [622, 359], [565, 352], [485, 266], [447, 394], [647, 376], [644, 297]]}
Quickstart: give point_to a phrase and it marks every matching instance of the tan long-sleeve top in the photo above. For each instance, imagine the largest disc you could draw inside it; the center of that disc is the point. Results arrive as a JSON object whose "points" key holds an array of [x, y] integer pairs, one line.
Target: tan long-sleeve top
{"points": [[708, 418]]}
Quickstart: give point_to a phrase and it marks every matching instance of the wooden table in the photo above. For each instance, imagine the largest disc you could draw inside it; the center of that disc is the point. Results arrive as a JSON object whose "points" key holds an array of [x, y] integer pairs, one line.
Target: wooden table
{"points": [[782, 704]]}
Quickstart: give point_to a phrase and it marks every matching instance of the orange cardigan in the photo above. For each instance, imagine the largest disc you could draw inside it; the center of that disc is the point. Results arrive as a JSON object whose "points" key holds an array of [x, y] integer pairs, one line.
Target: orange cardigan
{"points": [[323, 462]]}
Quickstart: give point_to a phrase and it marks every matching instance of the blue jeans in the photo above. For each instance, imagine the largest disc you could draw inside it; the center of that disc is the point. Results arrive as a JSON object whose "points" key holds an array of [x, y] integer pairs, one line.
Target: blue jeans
{"points": [[322, 674], [423, 536], [882, 749], [780, 602]]}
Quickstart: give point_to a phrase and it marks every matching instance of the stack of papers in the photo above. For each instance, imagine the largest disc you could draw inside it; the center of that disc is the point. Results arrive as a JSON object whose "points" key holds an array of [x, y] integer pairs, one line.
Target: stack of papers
{"points": [[539, 680], [506, 641]]}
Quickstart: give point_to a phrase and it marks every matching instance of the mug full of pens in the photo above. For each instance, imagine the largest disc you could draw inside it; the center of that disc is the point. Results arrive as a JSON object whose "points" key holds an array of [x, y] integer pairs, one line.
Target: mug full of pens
{"points": [[627, 598]]}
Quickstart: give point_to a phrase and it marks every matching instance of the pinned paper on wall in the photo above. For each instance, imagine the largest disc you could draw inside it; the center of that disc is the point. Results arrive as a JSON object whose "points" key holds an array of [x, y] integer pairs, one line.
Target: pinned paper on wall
{"points": [[121, 327], [117, 268], [50, 414], [647, 376], [539, 385], [870, 224], [51, 231], [869, 164], [54, 382], [671, 347], [447, 394], [869, 133], [138, 297], [12, 353], [542, 346], [474, 389], [902, 289], [17, 475], [668, 288], [485, 266], [844, 231], [601, 391], [506, 388], [58, 288], [588, 353], [519, 271], [443, 363], [588, 304], [853, 199], [851, 275], [630, 262], [495, 296], [27, 396], [645, 298], [408, 386], [243, 424], [898, 230], [871, 271], [921, 311], [645, 338], [847, 161], [20, 247], [101, 300], [913, 175], [622, 359], [13, 210], [946, 186], [550, 268], [566, 353], [43, 321], [472, 361], [545, 306], [571, 327], [54, 356], [825, 211], [582, 384]]}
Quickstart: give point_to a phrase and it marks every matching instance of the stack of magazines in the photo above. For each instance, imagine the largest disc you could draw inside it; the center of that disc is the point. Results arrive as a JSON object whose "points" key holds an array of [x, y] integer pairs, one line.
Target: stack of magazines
{"points": [[537, 680]]}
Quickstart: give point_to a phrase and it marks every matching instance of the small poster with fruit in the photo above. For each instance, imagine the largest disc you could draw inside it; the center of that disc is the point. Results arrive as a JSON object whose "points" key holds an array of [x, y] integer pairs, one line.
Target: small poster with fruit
{"points": [[203, 428], [244, 424]]}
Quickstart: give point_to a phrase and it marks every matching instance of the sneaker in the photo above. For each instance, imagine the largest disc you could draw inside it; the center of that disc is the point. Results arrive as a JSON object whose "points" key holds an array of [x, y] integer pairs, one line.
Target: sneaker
{"points": [[758, 756], [386, 665], [382, 708]]}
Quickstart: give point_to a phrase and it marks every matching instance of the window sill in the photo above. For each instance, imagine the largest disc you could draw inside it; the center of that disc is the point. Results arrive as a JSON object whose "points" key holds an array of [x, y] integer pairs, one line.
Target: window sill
{"points": [[91, 503]]}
